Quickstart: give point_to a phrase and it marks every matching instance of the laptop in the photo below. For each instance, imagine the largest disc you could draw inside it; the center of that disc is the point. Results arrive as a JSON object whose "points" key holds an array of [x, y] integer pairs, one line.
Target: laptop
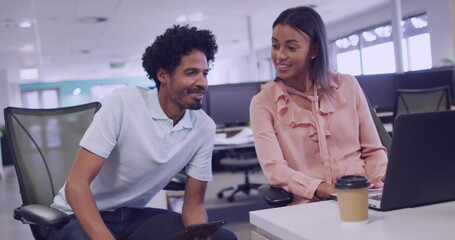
{"points": [[421, 168]]}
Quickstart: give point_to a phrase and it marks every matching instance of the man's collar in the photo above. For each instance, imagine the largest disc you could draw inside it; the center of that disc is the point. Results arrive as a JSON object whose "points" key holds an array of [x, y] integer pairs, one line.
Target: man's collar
{"points": [[158, 113]]}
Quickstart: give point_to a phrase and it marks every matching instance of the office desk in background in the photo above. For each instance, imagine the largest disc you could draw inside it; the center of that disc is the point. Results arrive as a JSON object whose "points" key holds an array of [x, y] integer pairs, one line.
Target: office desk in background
{"points": [[387, 119], [241, 146], [320, 221], [217, 148]]}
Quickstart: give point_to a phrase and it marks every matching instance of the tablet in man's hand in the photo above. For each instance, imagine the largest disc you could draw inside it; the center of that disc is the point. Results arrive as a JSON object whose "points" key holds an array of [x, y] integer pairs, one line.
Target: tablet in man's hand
{"points": [[200, 230]]}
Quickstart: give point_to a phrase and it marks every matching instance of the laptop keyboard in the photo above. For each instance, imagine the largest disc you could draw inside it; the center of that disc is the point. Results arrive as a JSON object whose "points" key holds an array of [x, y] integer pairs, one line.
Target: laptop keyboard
{"points": [[376, 197]]}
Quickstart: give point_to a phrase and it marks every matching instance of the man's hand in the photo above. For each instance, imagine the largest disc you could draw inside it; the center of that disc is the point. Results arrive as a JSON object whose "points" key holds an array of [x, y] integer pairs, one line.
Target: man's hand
{"points": [[86, 166], [193, 211]]}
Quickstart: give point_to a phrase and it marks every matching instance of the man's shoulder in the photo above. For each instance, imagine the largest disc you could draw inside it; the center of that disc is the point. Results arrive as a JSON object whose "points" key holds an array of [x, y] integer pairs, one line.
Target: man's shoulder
{"points": [[202, 116], [124, 92], [131, 90], [129, 93], [202, 120]]}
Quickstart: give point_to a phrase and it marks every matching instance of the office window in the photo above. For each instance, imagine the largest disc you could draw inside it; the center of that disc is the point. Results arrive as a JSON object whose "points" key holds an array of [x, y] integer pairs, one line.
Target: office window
{"points": [[47, 98], [371, 51], [378, 59], [348, 58]]}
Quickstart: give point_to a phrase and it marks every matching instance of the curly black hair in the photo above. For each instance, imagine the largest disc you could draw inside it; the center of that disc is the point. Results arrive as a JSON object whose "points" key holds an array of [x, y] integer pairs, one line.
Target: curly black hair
{"points": [[168, 49]]}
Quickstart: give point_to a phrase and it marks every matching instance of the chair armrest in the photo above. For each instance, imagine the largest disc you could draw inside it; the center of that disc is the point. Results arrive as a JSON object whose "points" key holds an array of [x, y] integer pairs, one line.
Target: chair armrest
{"points": [[41, 215], [275, 197], [177, 183]]}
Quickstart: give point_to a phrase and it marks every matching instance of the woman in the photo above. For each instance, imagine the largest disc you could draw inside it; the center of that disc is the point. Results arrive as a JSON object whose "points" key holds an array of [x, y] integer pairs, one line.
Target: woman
{"points": [[311, 125]]}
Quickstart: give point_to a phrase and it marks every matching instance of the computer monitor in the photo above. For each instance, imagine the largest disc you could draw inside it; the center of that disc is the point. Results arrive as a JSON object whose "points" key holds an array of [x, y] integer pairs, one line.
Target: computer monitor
{"points": [[205, 104], [229, 104], [436, 77], [380, 89]]}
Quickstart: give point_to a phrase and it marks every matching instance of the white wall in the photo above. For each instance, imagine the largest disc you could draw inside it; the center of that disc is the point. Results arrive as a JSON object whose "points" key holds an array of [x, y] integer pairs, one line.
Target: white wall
{"points": [[4, 93], [233, 70], [440, 28], [10, 94]]}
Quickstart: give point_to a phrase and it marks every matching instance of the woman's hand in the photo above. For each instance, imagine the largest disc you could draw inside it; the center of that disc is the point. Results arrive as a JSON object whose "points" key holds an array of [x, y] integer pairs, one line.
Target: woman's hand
{"points": [[324, 190], [377, 182]]}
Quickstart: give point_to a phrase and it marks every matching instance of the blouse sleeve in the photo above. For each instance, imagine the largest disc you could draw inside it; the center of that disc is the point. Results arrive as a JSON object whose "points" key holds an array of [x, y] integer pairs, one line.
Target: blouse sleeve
{"points": [[270, 155], [372, 151]]}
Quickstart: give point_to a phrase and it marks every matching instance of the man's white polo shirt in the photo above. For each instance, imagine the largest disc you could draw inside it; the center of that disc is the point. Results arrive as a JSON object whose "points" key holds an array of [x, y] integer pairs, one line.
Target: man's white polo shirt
{"points": [[143, 149]]}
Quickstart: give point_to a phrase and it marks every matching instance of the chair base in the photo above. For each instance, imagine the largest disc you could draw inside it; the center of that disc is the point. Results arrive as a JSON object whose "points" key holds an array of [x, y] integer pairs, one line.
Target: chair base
{"points": [[246, 187], [238, 188]]}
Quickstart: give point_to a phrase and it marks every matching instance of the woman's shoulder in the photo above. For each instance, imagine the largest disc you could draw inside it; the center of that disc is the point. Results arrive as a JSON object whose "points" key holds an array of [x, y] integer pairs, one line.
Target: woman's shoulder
{"points": [[342, 80], [339, 78], [268, 85], [266, 88], [270, 88], [267, 91]]}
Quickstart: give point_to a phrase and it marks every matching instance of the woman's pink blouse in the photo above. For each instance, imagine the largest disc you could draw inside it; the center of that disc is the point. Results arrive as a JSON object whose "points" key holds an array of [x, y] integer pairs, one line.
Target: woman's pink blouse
{"points": [[298, 149]]}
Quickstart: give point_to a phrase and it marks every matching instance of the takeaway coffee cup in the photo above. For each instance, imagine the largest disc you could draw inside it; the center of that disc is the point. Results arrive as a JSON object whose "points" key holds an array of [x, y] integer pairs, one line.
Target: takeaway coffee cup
{"points": [[352, 196]]}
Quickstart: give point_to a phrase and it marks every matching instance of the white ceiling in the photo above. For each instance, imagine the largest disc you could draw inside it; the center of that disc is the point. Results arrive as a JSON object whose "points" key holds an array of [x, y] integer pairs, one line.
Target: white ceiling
{"points": [[64, 47]]}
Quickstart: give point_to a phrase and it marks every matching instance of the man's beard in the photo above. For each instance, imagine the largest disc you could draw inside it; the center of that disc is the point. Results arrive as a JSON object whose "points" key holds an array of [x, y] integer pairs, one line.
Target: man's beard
{"points": [[196, 104]]}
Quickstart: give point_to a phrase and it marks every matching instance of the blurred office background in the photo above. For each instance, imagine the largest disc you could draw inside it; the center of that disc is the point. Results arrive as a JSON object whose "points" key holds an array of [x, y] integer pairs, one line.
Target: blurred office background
{"points": [[61, 53]]}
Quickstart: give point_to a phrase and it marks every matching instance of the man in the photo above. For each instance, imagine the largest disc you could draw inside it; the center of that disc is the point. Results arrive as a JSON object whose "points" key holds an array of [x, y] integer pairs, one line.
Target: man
{"points": [[138, 141]]}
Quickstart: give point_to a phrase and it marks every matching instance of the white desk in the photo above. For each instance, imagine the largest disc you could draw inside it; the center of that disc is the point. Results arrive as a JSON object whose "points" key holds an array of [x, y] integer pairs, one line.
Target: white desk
{"points": [[321, 221]]}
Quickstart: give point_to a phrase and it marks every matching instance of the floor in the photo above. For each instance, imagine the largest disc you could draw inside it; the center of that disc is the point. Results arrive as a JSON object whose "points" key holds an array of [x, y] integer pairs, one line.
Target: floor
{"points": [[237, 213]]}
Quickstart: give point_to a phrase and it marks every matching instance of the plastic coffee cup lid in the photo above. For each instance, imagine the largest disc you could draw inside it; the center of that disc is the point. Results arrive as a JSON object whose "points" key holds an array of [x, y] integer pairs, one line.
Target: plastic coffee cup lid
{"points": [[352, 182]]}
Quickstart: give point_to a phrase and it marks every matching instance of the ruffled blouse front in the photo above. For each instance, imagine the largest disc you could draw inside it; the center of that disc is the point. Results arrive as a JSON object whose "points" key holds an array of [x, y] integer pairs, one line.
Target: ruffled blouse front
{"points": [[299, 148], [291, 114]]}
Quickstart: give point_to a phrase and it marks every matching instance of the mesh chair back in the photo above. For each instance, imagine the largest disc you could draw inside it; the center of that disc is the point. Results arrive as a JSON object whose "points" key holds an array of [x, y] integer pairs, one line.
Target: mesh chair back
{"points": [[422, 100], [43, 144], [386, 140]]}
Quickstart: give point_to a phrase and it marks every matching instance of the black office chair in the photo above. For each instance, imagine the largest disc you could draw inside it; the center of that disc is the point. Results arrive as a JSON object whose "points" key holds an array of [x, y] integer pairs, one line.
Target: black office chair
{"points": [[278, 197], [43, 143], [246, 165], [421, 100]]}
